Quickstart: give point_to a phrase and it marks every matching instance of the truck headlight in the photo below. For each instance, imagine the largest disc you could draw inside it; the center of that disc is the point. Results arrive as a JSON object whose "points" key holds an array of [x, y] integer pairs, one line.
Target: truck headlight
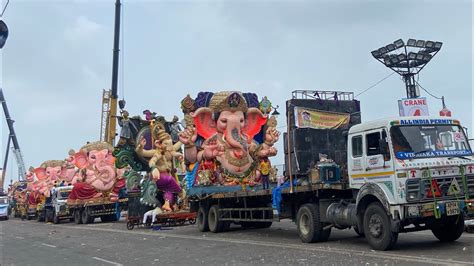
{"points": [[413, 195]]}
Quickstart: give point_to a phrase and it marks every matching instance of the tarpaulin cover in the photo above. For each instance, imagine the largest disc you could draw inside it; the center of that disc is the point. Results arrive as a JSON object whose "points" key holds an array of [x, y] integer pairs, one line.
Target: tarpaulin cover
{"points": [[82, 191], [34, 198]]}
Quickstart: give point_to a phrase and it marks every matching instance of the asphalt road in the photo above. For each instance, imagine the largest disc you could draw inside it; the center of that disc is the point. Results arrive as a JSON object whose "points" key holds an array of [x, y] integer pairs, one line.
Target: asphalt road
{"points": [[33, 243]]}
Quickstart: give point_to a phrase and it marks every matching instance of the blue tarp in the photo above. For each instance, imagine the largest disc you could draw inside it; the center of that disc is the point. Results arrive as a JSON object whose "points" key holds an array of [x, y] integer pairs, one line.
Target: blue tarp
{"points": [[276, 194]]}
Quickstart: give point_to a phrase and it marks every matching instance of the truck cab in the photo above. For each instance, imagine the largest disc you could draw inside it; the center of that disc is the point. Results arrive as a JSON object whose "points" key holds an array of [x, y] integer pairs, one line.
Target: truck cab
{"points": [[420, 170], [59, 209], [4, 207]]}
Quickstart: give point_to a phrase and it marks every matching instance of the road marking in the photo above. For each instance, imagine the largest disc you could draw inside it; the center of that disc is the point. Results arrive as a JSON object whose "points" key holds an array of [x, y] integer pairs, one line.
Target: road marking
{"points": [[108, 261], [19, 237], [428, 233], [308, 247], [48, 245]]}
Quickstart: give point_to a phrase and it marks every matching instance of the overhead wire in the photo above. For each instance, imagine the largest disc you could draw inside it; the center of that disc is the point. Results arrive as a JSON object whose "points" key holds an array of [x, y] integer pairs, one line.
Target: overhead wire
{"points": [[4, 8], [436, 97], [374, 85]]}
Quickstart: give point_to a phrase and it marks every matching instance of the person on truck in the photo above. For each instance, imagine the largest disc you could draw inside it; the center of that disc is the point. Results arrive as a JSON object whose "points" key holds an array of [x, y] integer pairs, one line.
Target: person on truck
{"points": [[264, 168]]}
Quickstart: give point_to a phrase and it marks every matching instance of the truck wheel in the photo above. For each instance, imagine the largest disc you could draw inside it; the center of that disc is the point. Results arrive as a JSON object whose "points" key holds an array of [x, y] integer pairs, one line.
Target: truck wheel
{"points": [[86, 216], [78, 216], [112, 218], [310, 227], [49, 216], [201, 218], [449, 230], [377, 228], [56, 219], [215, 225], [40, 217]]}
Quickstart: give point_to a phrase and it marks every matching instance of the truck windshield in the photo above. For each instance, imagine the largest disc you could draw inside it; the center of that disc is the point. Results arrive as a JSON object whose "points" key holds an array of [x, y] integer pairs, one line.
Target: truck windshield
{"points": [[63, 194], [424, 141]]}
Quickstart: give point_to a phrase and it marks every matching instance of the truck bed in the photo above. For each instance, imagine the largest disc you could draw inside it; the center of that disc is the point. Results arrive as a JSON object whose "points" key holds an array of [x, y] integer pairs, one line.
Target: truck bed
{"points": [[236, 191]]}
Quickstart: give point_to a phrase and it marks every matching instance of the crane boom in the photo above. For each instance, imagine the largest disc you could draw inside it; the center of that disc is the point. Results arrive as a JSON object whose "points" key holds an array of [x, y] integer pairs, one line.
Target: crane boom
{"points": [[112, 121], [12, 136]]}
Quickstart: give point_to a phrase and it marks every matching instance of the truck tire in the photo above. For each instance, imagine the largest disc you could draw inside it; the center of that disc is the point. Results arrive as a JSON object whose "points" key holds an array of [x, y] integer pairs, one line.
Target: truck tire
{"points": [[215, 225], [56, 219], [86, 216], [310, 227], [201, 218], [449, 230], [377, 228], [78, 216], [49, 216], [40, 217]]}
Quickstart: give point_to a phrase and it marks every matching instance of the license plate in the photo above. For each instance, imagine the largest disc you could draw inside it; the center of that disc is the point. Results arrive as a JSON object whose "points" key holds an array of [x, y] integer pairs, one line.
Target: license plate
{"points": [[413, 211], [452, 208]]}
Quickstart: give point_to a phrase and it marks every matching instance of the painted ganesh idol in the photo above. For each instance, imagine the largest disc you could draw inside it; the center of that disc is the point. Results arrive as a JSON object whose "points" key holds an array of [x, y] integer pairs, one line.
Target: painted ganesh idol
{"points": [[47, 175], [97, 174], [227, 136]]}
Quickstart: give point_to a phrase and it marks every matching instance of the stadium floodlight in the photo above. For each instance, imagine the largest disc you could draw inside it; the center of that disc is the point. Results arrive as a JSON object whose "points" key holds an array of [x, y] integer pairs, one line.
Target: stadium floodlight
{"points": [[429, 44], [383, 50], [376, 53], [402, 57], [420, 43], [427, 57], [407, 59], [411, 42], [391, 47], [399, 43]]}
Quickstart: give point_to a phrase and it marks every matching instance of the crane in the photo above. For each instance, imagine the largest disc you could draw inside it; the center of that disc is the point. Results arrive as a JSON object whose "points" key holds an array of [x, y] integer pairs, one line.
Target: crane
{"points": [[16, 147], [109, 98]]}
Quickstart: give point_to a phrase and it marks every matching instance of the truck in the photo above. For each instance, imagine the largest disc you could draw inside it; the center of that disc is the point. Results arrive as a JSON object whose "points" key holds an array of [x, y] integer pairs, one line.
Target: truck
{"points": [[4, 207], [58, 209], [86, 212], [381, 178]]}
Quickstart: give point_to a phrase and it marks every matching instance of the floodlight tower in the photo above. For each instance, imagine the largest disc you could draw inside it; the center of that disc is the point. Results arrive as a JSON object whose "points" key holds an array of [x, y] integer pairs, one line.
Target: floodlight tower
{"points": [[408, 59]]}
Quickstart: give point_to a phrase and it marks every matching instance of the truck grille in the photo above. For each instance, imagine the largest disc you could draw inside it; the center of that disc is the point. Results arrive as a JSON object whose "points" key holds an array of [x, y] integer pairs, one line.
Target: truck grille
{"points": [[418, 189]]}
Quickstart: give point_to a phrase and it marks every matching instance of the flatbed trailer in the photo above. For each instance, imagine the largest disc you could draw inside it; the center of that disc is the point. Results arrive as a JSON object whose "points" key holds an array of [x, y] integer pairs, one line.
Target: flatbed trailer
{"points": [[87, 211], [255, 207]]}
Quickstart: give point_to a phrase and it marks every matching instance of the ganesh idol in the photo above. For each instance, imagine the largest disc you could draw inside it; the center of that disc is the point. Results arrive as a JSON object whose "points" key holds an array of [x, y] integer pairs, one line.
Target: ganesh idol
{"points": [[226, 137]]}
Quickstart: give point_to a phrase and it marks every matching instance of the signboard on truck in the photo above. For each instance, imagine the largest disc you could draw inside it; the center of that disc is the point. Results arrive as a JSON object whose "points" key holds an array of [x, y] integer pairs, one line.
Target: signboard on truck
{"points": [[310, 118], [413, 107]]}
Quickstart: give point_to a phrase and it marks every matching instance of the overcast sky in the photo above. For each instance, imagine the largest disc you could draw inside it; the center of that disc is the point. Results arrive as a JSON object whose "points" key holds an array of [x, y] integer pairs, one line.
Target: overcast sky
{"points": [[58, 58]]}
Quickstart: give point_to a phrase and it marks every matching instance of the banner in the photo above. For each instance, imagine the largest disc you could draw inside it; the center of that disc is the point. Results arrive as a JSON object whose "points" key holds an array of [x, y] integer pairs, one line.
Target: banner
{"points": [[310, 118], [413, 107]]}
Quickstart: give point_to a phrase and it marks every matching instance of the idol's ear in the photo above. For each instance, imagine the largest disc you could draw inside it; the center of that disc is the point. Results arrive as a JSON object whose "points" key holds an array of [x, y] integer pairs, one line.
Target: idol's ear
{"points": [[40, 173], [80, 159], [254, 122], [205, 125]]}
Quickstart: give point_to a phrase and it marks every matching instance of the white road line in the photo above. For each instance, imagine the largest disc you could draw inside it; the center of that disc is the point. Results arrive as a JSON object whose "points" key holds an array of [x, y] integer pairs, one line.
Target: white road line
{"points": [[48, 245], [374, 254], [108, 261], [428, 233], [19, 237]]}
